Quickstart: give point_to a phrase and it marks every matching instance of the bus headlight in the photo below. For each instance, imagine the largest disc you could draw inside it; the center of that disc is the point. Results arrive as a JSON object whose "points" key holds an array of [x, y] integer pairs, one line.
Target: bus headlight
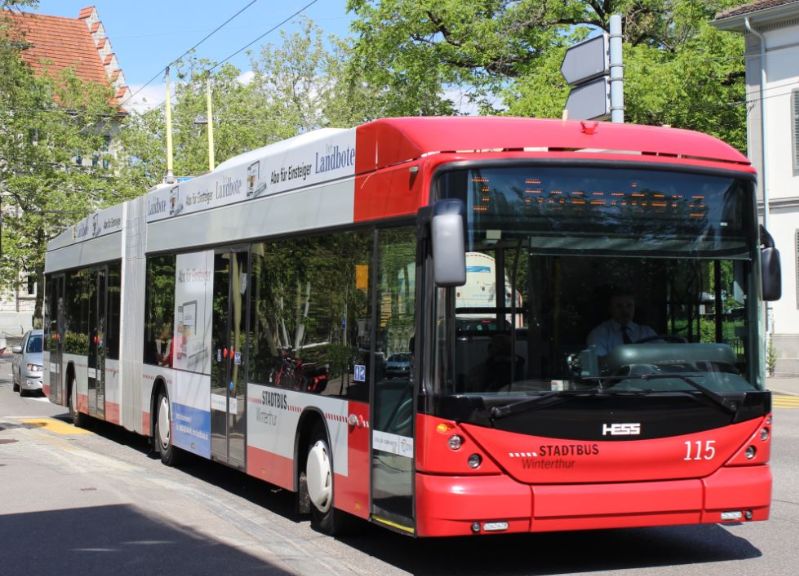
{"points": [[750, 452], [455, 442], [474, 461]]}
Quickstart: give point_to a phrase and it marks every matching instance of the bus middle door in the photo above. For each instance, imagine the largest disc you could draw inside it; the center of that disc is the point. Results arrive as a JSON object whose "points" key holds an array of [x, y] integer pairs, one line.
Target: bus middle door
{"points": [[97, 336], [228, 385]]}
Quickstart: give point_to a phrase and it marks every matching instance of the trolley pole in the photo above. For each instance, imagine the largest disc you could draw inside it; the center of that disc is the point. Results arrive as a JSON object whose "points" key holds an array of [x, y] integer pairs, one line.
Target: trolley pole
{"points": [[616, 71], [170, 175], [211, 159]]}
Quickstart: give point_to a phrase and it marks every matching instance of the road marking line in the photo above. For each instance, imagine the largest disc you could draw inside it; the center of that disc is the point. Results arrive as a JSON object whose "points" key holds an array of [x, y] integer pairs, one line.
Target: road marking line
{"points": [[785, 401], [55, 426]]}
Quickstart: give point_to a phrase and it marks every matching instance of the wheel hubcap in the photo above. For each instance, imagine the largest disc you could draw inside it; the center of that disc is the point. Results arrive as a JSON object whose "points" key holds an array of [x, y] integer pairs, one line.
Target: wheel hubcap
{"points": [[163, 422], [319, 476]]}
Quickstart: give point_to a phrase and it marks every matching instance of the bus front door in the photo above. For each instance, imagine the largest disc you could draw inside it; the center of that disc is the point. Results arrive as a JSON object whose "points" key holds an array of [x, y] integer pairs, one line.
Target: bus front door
{"points": [[228, 385], [55, 337], [97, 328], [393, 407]]}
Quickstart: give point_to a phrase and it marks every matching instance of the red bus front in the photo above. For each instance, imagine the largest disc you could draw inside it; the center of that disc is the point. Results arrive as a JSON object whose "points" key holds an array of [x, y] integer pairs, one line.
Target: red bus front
{"points": [[601, 365]]}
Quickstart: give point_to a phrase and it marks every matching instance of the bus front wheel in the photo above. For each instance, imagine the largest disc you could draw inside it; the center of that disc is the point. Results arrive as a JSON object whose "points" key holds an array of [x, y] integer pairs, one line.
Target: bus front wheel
{"points": [[319, 484]]}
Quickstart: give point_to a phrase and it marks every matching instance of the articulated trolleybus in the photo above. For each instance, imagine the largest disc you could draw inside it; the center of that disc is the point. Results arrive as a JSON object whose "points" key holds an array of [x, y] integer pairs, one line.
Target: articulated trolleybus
{"points": [[305, 314]]}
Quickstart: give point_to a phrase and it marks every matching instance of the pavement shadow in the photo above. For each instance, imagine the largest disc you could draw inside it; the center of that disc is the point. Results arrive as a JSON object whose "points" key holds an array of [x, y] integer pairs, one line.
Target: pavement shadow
{"points": [[121, 540], [257, 491], [562, 552], [529, 554]]}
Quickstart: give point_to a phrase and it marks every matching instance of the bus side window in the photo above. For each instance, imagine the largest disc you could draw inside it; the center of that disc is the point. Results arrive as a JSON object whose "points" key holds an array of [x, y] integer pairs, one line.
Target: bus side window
{"points": [[309, 314], [159, 303]]}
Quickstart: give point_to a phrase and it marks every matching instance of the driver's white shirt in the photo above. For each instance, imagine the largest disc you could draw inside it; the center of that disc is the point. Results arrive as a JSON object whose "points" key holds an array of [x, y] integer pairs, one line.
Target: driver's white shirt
{"points": [[608, 335]]}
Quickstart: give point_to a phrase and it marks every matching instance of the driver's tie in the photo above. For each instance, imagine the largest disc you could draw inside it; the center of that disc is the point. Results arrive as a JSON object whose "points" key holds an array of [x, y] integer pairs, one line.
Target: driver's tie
{"points": [[625, 334]]}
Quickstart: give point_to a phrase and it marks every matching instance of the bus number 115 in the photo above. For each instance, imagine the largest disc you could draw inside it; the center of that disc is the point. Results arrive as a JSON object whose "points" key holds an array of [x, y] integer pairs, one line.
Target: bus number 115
{"points": [[699, 450]]}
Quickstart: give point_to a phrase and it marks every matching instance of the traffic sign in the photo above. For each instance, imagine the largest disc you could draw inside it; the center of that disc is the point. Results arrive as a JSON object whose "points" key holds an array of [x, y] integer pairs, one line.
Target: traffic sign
{"points": [[586, 60], [590, 101]]}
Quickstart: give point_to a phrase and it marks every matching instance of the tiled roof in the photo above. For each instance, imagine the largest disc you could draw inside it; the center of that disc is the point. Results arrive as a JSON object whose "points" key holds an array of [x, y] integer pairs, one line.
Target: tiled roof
{"points": [[55, 43], [756, 6]]}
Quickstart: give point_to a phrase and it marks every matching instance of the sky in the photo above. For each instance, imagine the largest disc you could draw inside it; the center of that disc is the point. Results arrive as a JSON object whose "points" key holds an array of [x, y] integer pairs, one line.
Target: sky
{"points": [[147, 34]]}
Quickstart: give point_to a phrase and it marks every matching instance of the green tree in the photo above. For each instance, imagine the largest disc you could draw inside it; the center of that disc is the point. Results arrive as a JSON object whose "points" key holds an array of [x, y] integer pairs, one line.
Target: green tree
{"points": [[292, 89], [49, 123], [506, 55]]}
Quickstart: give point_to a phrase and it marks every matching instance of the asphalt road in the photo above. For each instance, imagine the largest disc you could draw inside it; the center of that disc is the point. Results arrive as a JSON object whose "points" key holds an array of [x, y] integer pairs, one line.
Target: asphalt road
{"points": [[80, 503]]}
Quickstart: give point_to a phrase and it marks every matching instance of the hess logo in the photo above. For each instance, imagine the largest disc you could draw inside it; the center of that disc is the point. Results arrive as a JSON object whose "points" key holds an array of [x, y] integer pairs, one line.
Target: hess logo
{"points": [[628, 429]]}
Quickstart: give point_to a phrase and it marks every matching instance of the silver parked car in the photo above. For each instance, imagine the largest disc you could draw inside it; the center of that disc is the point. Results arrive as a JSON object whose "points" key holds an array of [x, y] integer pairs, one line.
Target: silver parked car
{"points": [[26, 370]]}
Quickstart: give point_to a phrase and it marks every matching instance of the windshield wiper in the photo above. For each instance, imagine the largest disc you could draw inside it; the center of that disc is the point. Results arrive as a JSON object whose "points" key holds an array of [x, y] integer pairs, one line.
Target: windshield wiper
{"points": [[557, 396], [727, 404]]}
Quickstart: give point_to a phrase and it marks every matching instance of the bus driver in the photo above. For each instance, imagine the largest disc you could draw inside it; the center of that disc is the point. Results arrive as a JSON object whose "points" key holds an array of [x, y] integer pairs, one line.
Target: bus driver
{"points": [[619, 328]]}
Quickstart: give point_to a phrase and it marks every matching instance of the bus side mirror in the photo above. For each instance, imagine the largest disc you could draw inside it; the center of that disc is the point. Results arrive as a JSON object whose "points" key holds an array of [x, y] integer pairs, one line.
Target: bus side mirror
{"points": [[770, 268], [449, 252]]}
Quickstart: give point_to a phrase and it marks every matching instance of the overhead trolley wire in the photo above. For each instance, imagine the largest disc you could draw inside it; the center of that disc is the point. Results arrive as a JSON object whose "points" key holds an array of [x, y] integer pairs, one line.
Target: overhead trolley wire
{"points": [[272, 29], [206, 37]]}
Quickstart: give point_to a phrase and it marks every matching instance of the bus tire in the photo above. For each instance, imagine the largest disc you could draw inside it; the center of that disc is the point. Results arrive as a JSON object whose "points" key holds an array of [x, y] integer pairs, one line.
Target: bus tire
{"points": [[318, 482], [163, 430], [78, 418]]}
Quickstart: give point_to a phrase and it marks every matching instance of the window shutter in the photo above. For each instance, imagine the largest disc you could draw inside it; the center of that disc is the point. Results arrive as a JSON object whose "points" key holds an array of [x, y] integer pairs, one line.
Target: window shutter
{"points": [[795, 102]]}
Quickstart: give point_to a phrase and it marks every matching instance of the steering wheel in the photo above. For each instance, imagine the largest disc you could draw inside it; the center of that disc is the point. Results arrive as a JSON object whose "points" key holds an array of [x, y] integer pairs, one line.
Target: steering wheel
{"points": [[664, 337]]}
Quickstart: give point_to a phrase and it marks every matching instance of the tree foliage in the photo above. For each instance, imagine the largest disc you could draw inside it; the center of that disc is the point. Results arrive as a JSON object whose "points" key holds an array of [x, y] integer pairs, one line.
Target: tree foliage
{"points": [[292, 89], [48, 122], [507, 53]]}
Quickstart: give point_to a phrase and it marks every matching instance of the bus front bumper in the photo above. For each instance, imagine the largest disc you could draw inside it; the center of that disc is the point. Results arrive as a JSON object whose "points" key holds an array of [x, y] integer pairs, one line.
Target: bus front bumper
{"points": [[462, 505]]}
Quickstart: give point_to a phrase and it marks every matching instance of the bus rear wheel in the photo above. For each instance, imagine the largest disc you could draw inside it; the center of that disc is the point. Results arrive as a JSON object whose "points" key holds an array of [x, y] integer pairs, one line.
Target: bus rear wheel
{"points": [[78, 418], [163, 431], [318, 481]]}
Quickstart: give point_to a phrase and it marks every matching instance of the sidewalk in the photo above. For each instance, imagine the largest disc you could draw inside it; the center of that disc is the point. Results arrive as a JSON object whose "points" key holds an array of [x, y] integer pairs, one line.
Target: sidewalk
{"points": [[783, 385]]}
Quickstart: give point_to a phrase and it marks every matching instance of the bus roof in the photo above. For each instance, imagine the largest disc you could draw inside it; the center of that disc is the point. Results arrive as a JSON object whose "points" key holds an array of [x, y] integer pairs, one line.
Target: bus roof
{"points": [[332, 154], [391, 141]]}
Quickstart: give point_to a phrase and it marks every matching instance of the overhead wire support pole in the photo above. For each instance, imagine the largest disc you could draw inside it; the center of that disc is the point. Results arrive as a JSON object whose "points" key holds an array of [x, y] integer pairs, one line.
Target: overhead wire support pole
{"points": [[616, 71]]}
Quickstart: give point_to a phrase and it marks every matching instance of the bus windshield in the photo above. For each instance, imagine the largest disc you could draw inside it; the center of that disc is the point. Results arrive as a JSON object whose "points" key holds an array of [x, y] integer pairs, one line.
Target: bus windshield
{"points": [[577, 277]]}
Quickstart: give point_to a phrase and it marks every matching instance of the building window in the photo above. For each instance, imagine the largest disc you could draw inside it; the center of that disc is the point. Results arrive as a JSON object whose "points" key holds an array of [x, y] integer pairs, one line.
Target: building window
{"points": [[31, 285]]}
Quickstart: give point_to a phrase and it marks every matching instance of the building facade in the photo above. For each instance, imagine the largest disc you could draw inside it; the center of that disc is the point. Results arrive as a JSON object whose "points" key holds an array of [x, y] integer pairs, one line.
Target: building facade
{"points": [[771, 32]]}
